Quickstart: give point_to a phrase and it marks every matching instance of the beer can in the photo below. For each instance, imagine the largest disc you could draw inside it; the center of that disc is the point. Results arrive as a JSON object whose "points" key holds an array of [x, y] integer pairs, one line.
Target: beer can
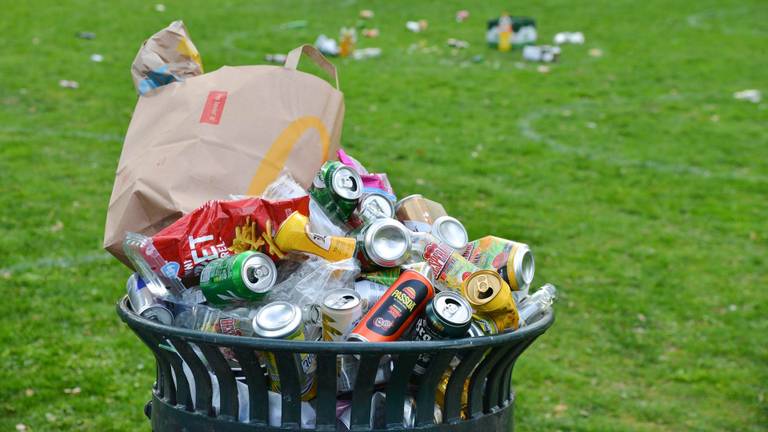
{"points": [[447, 316], [294, 235], [383, 243], [396, 310], [482, 326], [347, 366], [442, 387], [372, 206], [341, 309], [370, 292], [282, 320], [449, 268], [513, 260], [409, 413], [490, 297], [418, 213], [145, 303], [385, 277], [449, 230], [247, 276], [337, 188]]}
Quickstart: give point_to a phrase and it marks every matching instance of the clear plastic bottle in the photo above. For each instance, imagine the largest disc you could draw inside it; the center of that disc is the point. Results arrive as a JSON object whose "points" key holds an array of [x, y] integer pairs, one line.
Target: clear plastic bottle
{"points": [[534, 306]]}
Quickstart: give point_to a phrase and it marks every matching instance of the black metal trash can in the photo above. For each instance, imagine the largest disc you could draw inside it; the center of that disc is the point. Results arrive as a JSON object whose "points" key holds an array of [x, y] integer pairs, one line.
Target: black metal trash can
{"points": [[486, 362]]}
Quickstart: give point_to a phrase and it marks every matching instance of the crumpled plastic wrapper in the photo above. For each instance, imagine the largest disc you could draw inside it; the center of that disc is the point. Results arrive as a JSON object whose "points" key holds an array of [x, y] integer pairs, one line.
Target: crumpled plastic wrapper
{"points": [[371, 181], [168, 56]]}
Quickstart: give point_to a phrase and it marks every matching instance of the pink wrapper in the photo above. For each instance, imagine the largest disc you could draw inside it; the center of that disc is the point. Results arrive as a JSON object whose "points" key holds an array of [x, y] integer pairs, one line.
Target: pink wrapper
{"points": [[370, 180]]}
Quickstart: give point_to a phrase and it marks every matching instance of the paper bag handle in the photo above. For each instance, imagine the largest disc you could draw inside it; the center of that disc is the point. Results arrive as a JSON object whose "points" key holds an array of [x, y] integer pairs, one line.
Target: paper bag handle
{"points": [[293, 57]]}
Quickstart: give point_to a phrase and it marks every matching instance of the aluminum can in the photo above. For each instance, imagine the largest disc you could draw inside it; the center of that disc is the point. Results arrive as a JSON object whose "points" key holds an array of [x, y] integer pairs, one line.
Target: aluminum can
{"points": [[442, 386], [384, 243], [337, 188], [384, 277], [282, 320], [370, 292], [447, 316], [145, 303], [347, 366], [514, 261], [247, 276], [482, 326], [341, 309], [372, 206], [490, 297], [294, 235], [449, 268], [409, 413], [418, 213], [396, 310], [449, 230]]}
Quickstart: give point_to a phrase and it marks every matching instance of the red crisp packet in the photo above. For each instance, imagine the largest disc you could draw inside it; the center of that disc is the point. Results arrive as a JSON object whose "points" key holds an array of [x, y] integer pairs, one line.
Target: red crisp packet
{"points": [[223, 228]]}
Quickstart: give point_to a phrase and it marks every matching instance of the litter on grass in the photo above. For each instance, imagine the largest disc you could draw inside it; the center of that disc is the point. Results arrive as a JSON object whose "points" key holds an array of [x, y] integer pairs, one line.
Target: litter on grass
{"points": [[576, 38], [160, 7], [86, 35], [596, 52], [275, 58], [371, 33], [458, 43], [327, 46], [417, 26], [541, 53], [69, 84], [366, 53], [366, 14], [462, 15], [98, 58], [751, 95]]}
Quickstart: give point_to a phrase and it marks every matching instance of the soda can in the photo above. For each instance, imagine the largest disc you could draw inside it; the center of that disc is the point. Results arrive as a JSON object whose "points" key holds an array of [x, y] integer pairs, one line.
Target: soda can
{"points": [[145, 303], [447, 316], [490, 297], [482, 326], [514, 261], [442, 386], [370, 292], [383, 243], [282, 320], [409, 413], [247, 276], [396, 310], [418, 213], [341, 309], [294, 235], [347, 366], [449, 268], [385, 277], [449, 230], [372, 206], [337, 188]]}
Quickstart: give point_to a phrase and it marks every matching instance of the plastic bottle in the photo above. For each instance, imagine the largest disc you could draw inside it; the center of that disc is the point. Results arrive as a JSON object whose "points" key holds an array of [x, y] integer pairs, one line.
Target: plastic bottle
{"points": [[505, 32]]}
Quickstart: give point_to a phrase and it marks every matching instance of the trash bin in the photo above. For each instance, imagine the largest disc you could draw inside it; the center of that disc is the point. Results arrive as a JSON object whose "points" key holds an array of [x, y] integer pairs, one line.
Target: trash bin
{"points": [[486, 363]]}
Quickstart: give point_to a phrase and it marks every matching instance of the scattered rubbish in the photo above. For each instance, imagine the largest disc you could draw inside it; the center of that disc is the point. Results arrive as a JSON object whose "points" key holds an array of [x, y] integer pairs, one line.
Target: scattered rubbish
{"points": [[160, 7], [462, 15], [293, 25], [417, 26], [457, 43], [576, 38], [327, 45], [366, 53], [523, 32], [477, 58], [86, 35], [98, 58], [69, 84], [751, 95], [168, 56], [371, 33], [347, 41], [595, 52], [275, 58], [366, 14], [541, 53], [543, 69]]}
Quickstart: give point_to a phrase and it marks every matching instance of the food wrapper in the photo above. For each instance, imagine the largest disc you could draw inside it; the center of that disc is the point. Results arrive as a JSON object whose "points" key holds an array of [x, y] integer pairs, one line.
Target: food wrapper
{"points": [[222, 228], [168, 56], [371, 181]]}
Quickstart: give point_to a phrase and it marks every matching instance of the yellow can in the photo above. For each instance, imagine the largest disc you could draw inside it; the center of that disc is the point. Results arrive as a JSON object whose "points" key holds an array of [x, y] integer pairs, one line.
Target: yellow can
{"points": [[491, 297], [294, 235]]}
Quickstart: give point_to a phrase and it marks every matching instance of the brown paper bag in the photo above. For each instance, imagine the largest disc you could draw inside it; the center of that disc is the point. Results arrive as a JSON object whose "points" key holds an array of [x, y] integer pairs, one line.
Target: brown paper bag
{"points": [[231, 131]]}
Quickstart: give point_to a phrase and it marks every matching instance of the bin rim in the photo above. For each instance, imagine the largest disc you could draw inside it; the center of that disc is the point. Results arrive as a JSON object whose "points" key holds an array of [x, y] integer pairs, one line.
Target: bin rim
{"points": [[341, 347]]}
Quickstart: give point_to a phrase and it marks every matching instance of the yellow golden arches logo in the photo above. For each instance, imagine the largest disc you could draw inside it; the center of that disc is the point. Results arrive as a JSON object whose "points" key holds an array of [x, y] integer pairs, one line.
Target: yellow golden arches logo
{"points": [[278, 153]]}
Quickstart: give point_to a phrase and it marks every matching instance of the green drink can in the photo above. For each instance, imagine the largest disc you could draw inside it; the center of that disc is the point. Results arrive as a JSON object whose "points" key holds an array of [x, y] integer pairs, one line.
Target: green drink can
{"points": [[244, 277], [337, 188]]}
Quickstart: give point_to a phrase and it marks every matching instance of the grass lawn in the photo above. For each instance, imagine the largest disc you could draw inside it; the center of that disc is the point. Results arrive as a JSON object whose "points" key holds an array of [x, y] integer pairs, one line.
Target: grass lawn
{"points": [[637, 178]]}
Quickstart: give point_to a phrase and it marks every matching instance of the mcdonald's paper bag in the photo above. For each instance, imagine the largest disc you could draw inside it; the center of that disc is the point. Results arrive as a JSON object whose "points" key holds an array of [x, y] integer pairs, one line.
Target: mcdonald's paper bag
{"points": [[231, 131]]}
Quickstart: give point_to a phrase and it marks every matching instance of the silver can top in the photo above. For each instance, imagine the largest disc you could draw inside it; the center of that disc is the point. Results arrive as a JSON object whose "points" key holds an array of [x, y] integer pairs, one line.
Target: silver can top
{"points": [[259, 273], [450, 231], [387, 242], [378, 204], [158, 313], [452, 308], [277, 320], [524, 266], [346, 183], [342, 299]]}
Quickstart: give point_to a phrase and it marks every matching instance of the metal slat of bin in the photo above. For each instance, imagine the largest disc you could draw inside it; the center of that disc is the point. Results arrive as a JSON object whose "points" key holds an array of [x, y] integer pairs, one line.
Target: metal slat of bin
{"points": [[396, 389], [425, 399], [502, 373], [478, 380], [183, 393], [165, 387], [455, 388], [290, 388], [227, 386], [258, 399], [326, 392], [363, 391], [203, 388]]}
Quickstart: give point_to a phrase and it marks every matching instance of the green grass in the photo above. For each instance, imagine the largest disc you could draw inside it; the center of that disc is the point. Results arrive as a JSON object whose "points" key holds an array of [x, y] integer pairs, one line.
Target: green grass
{"points": [[639, 181]]}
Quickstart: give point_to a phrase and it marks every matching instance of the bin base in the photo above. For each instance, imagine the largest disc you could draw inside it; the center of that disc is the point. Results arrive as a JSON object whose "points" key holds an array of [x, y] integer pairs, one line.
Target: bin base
{"points": [[169, 418]]}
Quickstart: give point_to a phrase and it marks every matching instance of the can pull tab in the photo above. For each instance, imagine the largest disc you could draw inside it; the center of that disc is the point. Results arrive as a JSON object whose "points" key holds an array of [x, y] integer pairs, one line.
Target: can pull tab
{"points": [[483, 288]]}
